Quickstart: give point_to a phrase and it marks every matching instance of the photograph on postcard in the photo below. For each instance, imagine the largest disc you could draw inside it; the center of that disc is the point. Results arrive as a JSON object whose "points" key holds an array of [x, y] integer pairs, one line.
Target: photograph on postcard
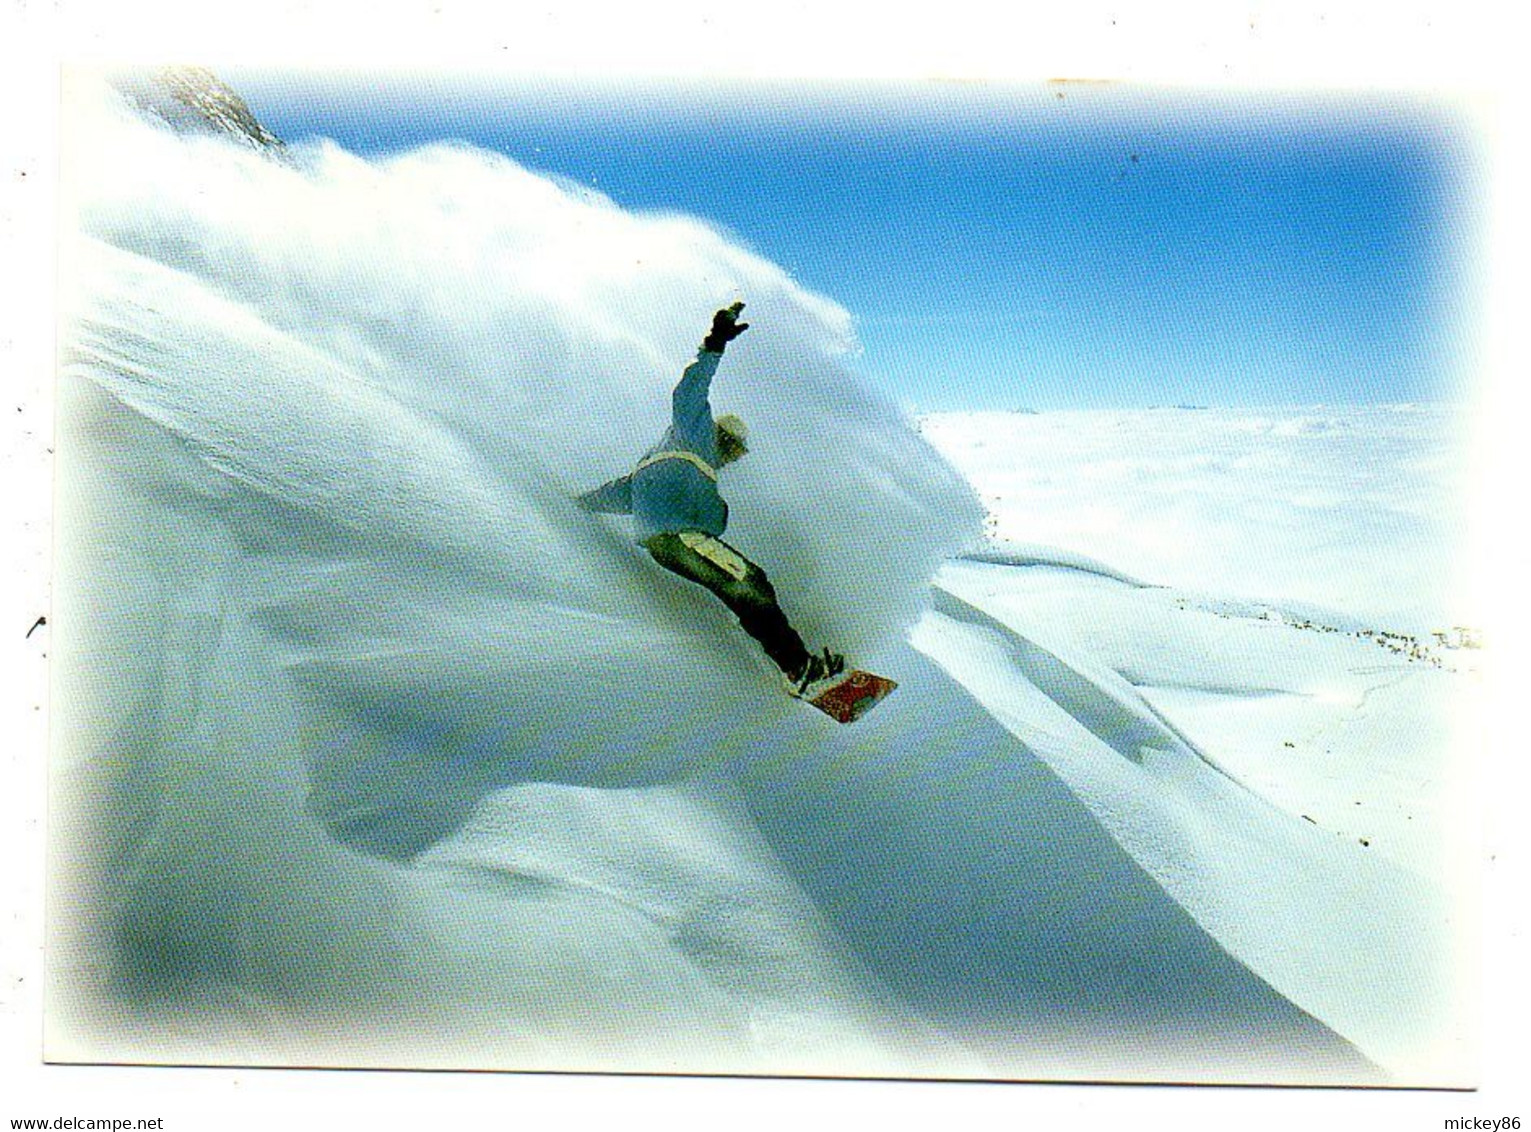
{"points": [[913, 579]]}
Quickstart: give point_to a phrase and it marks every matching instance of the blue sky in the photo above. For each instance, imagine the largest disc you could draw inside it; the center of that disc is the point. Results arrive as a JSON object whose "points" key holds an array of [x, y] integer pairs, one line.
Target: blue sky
{"points": [[1044, 245]]}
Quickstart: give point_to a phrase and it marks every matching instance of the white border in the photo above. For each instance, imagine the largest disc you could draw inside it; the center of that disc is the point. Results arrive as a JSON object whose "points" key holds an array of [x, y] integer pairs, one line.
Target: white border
{"points": [[1460, 48]]}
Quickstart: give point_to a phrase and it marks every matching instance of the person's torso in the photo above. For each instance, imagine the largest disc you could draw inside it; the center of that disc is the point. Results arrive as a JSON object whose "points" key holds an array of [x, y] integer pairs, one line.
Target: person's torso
{"points": [[675, 487]]}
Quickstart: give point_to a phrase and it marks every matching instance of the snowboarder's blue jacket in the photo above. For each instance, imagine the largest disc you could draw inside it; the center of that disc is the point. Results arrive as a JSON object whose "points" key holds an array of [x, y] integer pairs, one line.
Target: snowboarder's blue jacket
{"points": [[675, 486]]}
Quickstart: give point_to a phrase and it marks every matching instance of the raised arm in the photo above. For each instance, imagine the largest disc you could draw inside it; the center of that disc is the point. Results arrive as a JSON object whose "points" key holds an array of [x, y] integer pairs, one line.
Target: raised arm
{"points": [[691, 410]]}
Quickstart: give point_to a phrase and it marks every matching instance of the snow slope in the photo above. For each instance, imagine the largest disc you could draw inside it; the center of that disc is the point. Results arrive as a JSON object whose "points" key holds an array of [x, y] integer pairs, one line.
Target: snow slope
{"points": [[1293, 612], [374, 749], [1152, 735]]}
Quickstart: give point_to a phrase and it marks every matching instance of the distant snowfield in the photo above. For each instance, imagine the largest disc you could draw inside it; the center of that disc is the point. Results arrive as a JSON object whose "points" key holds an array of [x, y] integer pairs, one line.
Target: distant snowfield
{"points": [[1354, 510], [1278, 589], [373, 749], [1284, 583]]}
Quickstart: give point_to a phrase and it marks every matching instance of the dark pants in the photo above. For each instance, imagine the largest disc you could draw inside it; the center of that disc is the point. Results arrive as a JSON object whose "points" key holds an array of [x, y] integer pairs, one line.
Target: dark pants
{"points": [[738, 584]]}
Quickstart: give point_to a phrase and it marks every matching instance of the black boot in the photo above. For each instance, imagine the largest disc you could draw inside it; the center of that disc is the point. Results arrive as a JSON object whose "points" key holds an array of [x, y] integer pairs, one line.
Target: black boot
{"points": [[818, 668]]}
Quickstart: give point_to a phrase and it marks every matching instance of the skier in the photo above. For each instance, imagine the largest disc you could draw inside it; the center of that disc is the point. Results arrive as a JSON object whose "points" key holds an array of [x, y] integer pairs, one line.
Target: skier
{"points": [[672, 495]]}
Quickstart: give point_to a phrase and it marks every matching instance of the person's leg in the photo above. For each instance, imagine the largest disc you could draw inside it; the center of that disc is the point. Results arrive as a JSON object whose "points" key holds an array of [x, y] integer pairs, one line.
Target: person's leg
{"points": [[739, 584]]}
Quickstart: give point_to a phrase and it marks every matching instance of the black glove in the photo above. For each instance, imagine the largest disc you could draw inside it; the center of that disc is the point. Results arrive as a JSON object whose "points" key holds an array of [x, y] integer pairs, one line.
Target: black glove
{"points": [[725, 328]]}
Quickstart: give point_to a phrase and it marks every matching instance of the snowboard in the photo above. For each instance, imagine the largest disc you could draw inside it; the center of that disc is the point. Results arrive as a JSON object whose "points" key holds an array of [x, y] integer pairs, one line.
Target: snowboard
{"points": [[850, 695]]}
